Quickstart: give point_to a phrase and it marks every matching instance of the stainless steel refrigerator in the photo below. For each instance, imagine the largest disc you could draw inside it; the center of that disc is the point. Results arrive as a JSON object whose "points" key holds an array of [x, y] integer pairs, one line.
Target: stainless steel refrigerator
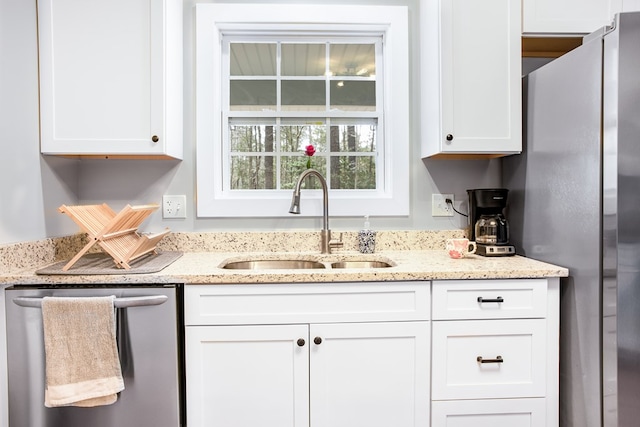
{"points": [[575, 201]]}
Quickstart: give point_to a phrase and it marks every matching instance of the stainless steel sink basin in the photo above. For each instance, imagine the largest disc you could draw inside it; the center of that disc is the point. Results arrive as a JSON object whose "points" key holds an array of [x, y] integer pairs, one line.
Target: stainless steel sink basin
{"points": [[273, 264], [360, 264]]}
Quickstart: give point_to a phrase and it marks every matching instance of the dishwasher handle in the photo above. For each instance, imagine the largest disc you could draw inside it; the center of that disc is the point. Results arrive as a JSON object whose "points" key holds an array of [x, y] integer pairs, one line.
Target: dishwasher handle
{"points": [[123, 302]]}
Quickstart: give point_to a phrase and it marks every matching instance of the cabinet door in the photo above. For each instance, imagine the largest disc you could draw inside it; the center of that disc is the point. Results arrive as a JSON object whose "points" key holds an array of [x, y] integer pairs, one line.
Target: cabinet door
{"points": [[567, 16], [370, 374], [480, 79], [110, 77], [239, 376], [630, 5]]}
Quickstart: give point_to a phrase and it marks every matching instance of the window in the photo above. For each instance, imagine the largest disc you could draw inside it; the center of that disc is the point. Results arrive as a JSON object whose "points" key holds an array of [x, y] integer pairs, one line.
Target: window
{"points": [[285, 93], [272, 79]]}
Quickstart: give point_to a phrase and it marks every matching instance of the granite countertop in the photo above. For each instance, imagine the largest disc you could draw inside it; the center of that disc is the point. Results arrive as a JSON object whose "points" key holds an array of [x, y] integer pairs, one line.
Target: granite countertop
{"points": [[205, 268], [414, 255]]}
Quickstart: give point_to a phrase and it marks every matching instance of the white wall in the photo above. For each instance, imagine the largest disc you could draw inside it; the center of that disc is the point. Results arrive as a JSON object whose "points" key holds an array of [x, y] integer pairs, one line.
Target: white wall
{"points": [[29, 187], [46, 184]]}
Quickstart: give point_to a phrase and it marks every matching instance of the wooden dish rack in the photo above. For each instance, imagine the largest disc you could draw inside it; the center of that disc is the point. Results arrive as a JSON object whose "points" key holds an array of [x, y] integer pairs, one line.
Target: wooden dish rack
{"points": [[116, 233]]}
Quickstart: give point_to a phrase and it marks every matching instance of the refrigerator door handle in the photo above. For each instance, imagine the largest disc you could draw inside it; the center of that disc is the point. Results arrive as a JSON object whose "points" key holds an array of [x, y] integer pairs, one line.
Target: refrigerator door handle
{"points": [[124, 302]]}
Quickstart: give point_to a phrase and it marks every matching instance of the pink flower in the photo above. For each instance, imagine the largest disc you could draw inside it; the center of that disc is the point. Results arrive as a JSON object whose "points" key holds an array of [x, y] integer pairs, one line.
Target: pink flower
{"points": [[309, 151]]}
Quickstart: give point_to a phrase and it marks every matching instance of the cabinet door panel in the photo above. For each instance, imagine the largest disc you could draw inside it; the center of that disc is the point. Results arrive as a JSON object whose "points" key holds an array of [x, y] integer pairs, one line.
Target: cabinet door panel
{"points": [[478, 299], [489, 413], [630, 5], [110, 77], [373, 374], [96, 66], [308, 303], [239, 376], [481, 84], [520, 345], [567, 16]]}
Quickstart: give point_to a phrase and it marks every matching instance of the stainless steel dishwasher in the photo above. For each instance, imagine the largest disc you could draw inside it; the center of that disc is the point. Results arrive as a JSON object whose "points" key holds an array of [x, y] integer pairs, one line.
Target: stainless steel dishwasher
{"points": [[150, 346]]}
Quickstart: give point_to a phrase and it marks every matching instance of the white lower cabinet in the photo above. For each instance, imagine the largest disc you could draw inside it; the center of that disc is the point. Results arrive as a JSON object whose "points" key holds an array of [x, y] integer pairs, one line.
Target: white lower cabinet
{"points": [[247, 376], [489, 359], [327, 371], [489, 413], [495, 353], [454, 353]]}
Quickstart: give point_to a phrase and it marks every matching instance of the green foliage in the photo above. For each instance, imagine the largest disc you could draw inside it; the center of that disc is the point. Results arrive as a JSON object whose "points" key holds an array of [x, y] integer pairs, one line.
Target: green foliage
{"points": [[260, 154]]}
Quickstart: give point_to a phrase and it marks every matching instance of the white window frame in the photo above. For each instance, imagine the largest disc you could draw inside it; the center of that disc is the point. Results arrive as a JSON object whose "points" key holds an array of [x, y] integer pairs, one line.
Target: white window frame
{"points": [[213, 20]]}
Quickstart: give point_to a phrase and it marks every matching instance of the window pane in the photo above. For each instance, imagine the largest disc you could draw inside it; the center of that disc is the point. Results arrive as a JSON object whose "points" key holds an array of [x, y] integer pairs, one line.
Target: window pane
{"points": [[353, 138], [303, 95], [353, 60], [268, 153], [295, 137], [353, 95], [303, 59], [252, 172], [293, 166], [252, 95], [253, 59], [251, 138], [353, 172]]}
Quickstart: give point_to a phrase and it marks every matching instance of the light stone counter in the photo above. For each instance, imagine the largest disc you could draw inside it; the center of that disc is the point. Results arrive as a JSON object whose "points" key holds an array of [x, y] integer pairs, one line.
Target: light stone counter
{"points": [[203, 258]]}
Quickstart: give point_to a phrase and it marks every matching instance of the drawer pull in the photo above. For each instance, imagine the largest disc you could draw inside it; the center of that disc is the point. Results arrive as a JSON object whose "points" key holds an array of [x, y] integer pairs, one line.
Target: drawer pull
{"points": [[317, 340], [498, 359], [301, 342], [498, 300]]}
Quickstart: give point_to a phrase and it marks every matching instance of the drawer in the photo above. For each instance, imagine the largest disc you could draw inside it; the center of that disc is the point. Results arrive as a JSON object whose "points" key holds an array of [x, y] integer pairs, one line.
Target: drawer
{"points": [[489, 299], [489, 412], [513, 360], [306, 303]]}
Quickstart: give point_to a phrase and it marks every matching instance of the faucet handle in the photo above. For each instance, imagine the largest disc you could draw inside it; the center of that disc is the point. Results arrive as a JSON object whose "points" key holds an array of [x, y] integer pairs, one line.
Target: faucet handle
{"points": [[336, 243]]}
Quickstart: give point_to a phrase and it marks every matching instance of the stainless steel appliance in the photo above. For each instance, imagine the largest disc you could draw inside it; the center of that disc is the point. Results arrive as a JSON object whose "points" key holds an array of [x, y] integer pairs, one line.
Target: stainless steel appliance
{"points": [[575, 201], [149, 331], [487, 223]]}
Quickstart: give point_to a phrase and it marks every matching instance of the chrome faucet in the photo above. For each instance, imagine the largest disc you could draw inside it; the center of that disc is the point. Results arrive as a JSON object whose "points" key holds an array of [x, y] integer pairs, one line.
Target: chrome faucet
{"points": [[325, 235]]}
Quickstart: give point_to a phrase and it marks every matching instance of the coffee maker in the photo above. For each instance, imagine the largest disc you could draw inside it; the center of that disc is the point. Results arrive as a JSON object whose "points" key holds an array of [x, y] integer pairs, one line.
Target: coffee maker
{"points": [[488, 226]]}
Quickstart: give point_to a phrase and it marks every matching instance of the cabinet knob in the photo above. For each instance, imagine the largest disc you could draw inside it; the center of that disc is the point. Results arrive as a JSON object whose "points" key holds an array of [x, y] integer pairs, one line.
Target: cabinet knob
{"points": [[155, 138], [317, 340], [301, 342], [498, 359], [449, 137]]}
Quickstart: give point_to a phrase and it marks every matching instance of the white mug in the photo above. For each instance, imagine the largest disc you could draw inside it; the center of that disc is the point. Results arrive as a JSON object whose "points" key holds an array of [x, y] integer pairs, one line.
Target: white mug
{"points": [[459, 248]]}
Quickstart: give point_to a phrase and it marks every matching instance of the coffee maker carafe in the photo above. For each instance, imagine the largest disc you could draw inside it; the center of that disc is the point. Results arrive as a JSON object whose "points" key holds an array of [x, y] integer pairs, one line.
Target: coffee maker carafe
{"points": [[488, 226]]}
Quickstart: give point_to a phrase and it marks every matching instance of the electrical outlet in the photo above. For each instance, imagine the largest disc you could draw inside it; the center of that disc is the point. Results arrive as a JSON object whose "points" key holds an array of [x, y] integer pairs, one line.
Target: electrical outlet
{"points": [[439, 205], [174, 206]]}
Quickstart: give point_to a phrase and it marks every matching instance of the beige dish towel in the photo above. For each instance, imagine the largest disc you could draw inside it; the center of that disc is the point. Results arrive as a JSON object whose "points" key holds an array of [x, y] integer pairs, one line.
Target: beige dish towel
{"points": [[82, 364]]}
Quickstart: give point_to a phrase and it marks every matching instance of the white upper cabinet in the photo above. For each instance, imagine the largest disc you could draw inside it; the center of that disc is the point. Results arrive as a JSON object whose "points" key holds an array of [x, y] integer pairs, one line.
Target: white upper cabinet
{"points": [[471, 69], [569, 16], [111, 77], [630, 5]]}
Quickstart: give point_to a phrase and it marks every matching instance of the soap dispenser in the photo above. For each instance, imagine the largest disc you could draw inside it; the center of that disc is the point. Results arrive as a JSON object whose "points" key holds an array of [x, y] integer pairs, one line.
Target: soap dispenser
{"points": [[366, 238]]}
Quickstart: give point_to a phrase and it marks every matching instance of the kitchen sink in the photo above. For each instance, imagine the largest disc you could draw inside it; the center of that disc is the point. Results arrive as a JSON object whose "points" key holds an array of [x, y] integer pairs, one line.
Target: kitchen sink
{"points": [[303, 264], [360, 264], [273, 264]]}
